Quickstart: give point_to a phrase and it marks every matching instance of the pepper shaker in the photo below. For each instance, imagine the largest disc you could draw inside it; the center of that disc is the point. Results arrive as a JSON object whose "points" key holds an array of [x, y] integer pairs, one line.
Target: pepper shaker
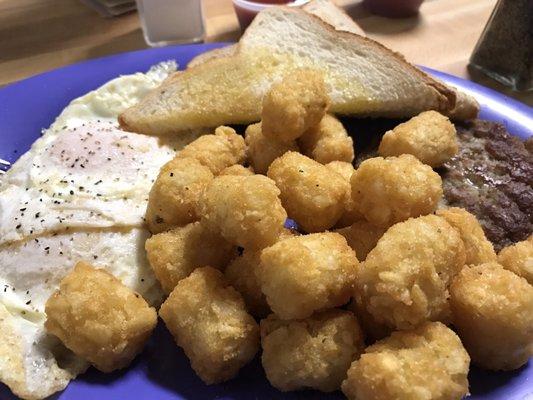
{"points": [[504, 51]]}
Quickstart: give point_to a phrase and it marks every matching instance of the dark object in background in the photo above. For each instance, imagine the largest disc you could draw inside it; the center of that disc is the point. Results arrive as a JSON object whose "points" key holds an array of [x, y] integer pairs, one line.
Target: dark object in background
{"points": [[504, 51], [394, 8]]}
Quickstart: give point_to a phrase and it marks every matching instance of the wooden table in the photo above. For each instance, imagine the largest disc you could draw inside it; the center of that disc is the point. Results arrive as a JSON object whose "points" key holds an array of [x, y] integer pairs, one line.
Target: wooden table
{"points": [[38, 35]]}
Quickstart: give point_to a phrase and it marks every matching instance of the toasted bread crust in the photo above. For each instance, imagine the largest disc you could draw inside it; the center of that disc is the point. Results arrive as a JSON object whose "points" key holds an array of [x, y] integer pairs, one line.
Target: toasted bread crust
{"points": [[332, 14], [227, 51], [466, 107]]}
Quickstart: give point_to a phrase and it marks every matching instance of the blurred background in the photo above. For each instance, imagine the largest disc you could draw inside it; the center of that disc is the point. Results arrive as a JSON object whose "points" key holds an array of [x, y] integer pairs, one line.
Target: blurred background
{"points": [[39, 35]]}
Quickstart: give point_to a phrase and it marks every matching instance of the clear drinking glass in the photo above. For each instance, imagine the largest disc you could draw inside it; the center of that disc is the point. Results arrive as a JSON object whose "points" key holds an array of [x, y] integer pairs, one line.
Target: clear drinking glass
{"points": [[171, 21]]}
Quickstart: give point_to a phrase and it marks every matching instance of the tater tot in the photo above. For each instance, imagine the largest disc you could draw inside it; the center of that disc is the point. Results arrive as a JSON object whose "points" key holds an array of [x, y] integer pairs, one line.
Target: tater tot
{"points": [[426, 363], [430, 137], [307, 273], [237, 169], [519, 259], [351, 213], [246, 210], [343, 168], [173, 199], [328, 141], [362, 237], [390, 190], [313, 195], [99, 318], [208, 319], [173, 255], [242, 274], [294, 105], [477, 247], [223, 149], [372, 329], [404, 280], [493, 313], [263, 150], [313, 353]]}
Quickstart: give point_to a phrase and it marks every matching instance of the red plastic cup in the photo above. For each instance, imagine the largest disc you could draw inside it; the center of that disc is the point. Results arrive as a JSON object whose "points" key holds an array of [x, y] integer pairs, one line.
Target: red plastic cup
{"points": [[394, 8]]}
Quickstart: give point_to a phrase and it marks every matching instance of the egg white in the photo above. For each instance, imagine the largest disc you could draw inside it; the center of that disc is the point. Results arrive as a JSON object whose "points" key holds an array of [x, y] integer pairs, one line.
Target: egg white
{"points": [[91, 176], [109, 100], [29, 358], [80, 193], [30, 272]]}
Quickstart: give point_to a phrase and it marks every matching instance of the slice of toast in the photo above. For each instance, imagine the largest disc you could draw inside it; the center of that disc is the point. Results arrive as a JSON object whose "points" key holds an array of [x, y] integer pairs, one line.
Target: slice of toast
{"points": [[364, 78], [329, 12], [326, 10], [466, 107]]}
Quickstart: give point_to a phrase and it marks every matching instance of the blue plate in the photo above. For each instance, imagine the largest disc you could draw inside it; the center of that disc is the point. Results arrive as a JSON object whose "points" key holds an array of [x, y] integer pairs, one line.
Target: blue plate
{"points": [[162, 372]]}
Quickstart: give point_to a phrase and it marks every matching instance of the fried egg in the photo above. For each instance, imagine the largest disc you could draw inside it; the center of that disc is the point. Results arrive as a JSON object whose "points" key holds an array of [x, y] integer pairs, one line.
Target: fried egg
{"points": [[91, 176], [112, 98], [33, 364], [79, 193], [30, 358]]}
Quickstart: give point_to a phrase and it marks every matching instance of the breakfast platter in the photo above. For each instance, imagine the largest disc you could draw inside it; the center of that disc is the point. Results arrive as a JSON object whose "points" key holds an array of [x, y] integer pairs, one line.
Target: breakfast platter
{"points": [[142, 185], [162, 370]]}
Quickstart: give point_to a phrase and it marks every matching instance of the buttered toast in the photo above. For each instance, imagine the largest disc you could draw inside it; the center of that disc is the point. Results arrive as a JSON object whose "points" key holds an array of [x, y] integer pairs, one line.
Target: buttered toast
{"points": [[363, 77]]}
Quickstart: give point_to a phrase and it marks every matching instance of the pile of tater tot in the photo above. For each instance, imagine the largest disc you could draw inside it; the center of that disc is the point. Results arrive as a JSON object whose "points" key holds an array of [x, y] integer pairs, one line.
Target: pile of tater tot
{"points": [[380, 293]]}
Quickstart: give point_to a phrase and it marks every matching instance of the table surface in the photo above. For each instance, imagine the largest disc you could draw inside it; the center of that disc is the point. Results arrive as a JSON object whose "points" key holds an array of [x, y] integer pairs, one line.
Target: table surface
{"points": [[39, 35]]}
